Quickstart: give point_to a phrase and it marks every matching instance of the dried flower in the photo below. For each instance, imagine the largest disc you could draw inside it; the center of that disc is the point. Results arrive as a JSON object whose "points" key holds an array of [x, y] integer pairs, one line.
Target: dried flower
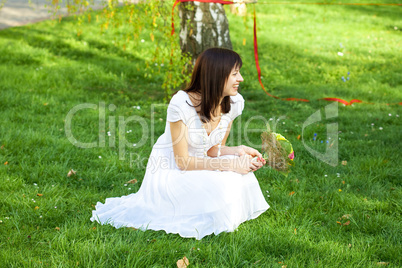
{"points": [[277, 151]]}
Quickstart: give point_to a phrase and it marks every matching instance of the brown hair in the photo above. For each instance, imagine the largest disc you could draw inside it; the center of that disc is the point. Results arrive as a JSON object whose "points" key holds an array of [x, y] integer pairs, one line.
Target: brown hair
{"points": [[209, 77]]}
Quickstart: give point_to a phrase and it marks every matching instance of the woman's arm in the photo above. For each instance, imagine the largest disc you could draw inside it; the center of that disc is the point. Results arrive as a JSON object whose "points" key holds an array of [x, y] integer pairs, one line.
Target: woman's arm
{"points": [[225, 150], [179, 134], [234, 150]]}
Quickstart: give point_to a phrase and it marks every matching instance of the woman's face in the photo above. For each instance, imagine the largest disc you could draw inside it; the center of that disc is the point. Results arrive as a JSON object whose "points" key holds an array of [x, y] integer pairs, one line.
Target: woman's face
{"points": [[232, 83]]}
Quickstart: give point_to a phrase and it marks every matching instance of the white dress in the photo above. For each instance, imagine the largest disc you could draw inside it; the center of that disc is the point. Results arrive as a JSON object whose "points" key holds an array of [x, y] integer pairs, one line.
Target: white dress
{"points": [[190, 203]]}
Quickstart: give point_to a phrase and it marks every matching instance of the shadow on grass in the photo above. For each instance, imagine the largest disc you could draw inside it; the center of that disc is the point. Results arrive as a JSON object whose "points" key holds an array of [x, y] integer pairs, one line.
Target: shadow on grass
{"points": [[115, 62], [58, 47]]}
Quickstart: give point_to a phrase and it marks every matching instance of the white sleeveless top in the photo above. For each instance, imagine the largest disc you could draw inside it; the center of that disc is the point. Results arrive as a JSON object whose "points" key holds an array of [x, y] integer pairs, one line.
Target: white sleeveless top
{"points": [[179, 109]]}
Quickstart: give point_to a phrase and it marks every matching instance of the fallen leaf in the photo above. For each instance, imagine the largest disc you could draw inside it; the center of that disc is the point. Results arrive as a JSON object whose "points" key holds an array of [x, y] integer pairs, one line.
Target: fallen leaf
{"points": [[39, 194], [338, 222], [36, 207], [347, 223], [298, 137], [292, 193], [182, 263], [382, 263], [2, 147], [257, 261], [295, 231], [45, 103], [347, 216], [134, 181], [350, 245], [344, 162], [6, 163], [71, 172], [343, 182], [57, 228]]}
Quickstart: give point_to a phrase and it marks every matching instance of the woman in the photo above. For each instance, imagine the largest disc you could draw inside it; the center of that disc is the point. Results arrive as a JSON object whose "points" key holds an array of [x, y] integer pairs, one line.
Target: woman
{"points": [[194, 185]]}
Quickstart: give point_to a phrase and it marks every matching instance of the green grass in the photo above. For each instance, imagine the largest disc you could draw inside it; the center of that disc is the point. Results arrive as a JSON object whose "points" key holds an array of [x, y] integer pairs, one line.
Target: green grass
{"points": [[46, 70]]}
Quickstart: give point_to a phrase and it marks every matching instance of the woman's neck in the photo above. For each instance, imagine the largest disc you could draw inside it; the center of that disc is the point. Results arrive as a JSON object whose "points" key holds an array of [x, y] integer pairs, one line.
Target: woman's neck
{"points": [[196, 100]]}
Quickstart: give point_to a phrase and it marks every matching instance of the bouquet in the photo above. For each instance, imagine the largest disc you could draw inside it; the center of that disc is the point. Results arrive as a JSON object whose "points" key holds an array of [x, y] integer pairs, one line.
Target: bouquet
{"points": [[277, 151]]}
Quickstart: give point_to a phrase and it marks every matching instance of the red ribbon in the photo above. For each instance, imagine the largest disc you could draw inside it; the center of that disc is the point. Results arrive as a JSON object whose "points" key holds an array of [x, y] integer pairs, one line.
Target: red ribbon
{"points": [[342, 101], [257, 64], [295, 99], [256, 54], [331, 4]]}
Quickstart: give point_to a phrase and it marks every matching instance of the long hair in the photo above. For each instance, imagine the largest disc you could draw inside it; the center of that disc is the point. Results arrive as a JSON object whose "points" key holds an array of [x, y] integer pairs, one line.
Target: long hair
{"points": [[209, 77]]}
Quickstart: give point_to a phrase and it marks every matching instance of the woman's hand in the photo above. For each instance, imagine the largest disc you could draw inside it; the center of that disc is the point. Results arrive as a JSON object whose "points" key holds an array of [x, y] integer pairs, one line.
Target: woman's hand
{"points": [[244, 164], [245, 150]]}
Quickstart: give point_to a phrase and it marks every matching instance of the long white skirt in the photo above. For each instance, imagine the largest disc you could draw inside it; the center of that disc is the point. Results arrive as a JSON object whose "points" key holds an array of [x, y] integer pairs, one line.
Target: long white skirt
{"points": [[189, 203]]}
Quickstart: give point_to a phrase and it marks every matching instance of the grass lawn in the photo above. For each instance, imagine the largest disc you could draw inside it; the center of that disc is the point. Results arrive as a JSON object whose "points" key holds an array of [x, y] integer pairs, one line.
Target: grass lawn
{"points": [[348, 215]]}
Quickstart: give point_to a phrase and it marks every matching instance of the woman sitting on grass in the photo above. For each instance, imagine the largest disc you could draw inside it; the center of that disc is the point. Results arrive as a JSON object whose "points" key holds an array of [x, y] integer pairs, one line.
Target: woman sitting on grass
{"points": [[194, 185]]}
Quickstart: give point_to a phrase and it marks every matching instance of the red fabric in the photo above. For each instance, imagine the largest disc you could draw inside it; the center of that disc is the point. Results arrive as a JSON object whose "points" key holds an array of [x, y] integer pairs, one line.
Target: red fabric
{"points": [[342, 101], [295, 99]]}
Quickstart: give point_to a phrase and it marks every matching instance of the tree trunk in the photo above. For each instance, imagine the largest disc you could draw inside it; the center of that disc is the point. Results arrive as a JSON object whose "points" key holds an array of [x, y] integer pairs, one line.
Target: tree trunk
{"points": [[203, 25]]}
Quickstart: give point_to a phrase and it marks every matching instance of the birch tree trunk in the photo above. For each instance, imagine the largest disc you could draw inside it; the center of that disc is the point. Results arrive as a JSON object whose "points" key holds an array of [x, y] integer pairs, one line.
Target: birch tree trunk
{"points": [[203, 25]]}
